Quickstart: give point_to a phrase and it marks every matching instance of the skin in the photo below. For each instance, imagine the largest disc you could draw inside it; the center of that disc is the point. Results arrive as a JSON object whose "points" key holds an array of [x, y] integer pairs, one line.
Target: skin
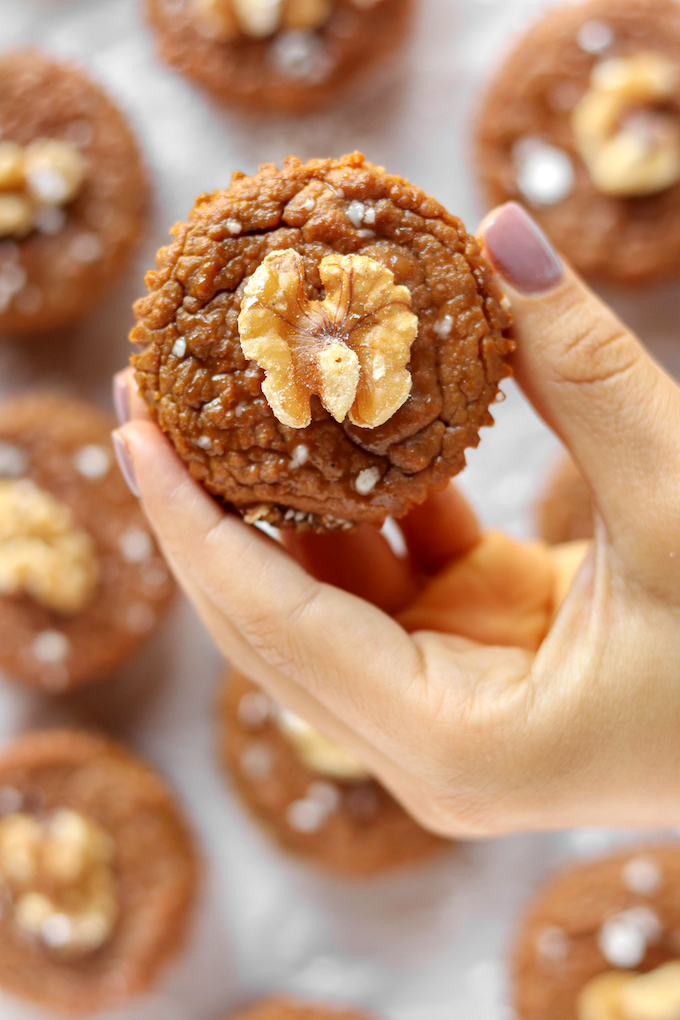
{"points": [[491, 685]]}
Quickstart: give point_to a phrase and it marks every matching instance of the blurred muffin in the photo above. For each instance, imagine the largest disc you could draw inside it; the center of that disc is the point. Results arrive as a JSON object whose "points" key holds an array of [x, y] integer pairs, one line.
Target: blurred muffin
{"points": [[593, 931], [98, 872], [287, 55], [73, 192], [82, 583], [314, 798], [565, 508], [582, 124]]}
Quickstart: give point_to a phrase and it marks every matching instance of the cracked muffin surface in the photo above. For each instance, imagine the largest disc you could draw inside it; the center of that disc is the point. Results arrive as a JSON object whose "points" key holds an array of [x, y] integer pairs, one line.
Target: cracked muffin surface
{"points": [[332, 257]]}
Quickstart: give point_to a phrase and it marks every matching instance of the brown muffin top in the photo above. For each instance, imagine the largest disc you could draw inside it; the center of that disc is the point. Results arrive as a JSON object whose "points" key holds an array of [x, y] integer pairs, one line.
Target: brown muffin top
{"points": [[153, 861], [304, 60], [209, 398], [56, 273], [528, 150], [62, 448], [621, 913]]}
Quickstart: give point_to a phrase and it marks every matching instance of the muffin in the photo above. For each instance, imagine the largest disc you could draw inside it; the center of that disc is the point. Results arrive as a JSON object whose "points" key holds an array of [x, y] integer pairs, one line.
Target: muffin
{"points": [[82, 583], [98, 872], [602, 941], [314, 798], [582, 124], [286, 55], [281, 1008], [73, 192], [565, 507], [321, 343]]}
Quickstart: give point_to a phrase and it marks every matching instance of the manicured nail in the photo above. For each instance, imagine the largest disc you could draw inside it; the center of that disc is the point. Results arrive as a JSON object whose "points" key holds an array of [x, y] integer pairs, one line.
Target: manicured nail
{"points": [[121, 399], [521, 252], [125, 463]]}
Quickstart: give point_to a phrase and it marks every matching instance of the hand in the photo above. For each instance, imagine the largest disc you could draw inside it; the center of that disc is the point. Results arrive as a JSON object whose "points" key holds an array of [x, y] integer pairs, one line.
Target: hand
{"points": [[491, 702]]}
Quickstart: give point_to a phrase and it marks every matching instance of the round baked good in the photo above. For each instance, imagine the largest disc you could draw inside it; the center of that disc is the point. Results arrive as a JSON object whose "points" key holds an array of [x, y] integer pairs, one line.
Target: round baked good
{"points": [[582, 124], [313, 797], [98, 872], [286, 1008], [592, 931], [82, 583], [73, 192], [565, 508], [286, 55], [321, 343]]}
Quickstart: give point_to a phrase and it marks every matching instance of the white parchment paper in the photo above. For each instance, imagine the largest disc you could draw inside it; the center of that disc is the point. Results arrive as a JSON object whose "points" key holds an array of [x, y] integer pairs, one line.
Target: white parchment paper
{"points": [[428, 944]]}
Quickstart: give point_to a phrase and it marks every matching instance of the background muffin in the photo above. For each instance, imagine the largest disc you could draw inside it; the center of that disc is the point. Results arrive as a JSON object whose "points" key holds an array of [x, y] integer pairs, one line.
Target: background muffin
{"points": [[313, 796], [287, 55], [582, 123], [73, 192], [97, 872], [82, 584], [592, 929]]}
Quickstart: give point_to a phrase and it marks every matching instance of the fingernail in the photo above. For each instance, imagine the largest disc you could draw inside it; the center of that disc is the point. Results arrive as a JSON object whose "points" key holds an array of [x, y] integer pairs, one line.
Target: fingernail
{"points": [[521, 252], [121, 400], [125, 463]]}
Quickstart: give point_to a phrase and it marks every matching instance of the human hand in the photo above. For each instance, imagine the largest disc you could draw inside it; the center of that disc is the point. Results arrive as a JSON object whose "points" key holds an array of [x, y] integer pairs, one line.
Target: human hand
{"points": [[491, 703]]}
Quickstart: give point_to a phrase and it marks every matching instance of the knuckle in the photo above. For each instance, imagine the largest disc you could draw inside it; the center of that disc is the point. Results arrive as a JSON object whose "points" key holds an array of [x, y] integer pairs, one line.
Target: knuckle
{"points": [[593, 352]]}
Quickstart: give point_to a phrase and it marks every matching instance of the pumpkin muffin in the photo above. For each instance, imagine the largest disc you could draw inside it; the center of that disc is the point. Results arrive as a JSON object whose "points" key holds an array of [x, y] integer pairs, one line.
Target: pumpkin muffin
{"points": [[602, 941], [82, 583], [313, 797], [73, 192], [582, 124], [321, 343], [98, 872], [286, 55]]}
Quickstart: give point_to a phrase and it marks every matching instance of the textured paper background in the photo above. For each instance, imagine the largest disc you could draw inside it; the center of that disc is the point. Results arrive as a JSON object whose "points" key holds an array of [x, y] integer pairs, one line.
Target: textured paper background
{"points": [[424, 945]]}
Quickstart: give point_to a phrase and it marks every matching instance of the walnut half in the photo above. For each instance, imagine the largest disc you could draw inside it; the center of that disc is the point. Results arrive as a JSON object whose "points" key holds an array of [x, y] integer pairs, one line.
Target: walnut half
{"points": [[620, 995], [351, 349], [628, 140], [58, 873], [43, 553]]}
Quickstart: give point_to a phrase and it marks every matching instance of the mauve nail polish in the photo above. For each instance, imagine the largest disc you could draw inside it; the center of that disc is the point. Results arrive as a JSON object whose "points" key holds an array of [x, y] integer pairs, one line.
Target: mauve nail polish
{"points": [[125, 463], [521, 252], [121, 400]]}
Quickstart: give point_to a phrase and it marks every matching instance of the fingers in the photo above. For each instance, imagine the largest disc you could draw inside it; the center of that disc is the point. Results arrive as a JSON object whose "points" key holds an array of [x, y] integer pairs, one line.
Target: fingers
{"points": [[594, 383], [128, 404], [359, 561], [501, 593], [343, 651], [439, 530]]}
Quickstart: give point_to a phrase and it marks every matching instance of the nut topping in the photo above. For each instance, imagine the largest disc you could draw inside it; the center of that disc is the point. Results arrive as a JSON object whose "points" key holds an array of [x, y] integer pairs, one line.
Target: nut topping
{"points": [[629, 143], [316, 751], [616, 995], [47, 173], [222, 20], [43, 553], [58, 874], [351, 349]]}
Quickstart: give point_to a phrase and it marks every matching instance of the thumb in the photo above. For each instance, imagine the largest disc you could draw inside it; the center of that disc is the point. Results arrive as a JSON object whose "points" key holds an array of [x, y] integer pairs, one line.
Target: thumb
{"points": [[594, 383]]}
